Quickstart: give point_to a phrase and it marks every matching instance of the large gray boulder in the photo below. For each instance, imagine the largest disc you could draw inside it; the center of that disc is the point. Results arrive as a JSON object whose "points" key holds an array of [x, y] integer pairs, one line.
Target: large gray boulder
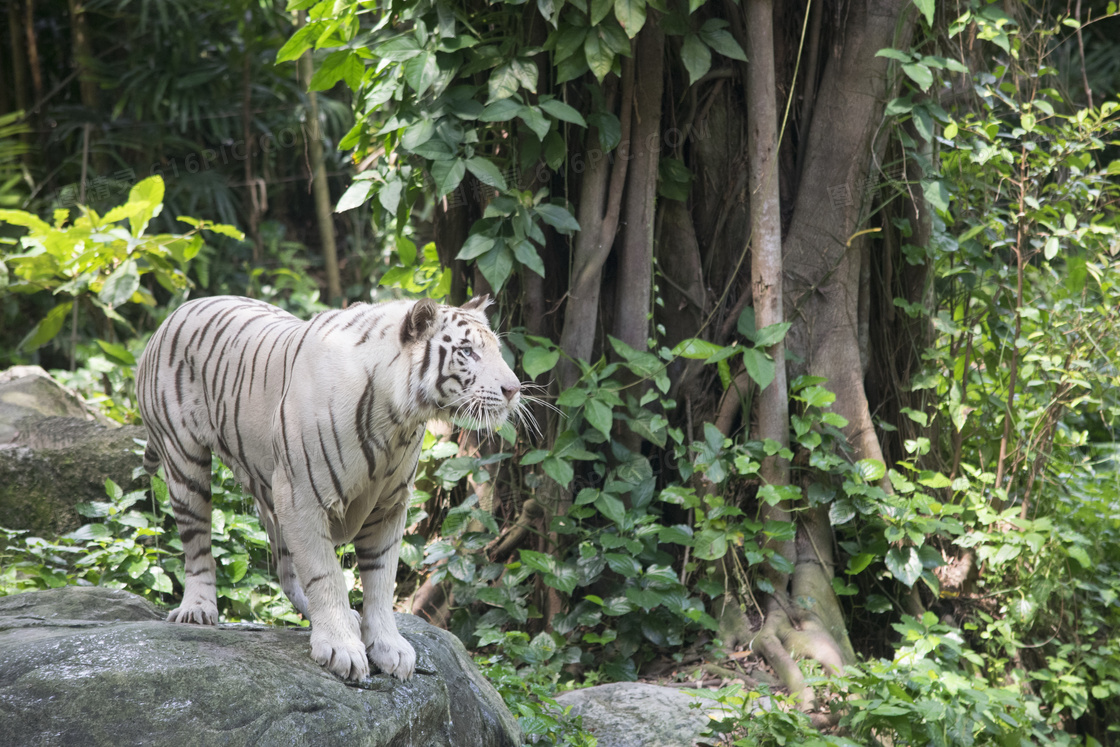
{"points": [[636, 714], [91, 666], [55, 452]]}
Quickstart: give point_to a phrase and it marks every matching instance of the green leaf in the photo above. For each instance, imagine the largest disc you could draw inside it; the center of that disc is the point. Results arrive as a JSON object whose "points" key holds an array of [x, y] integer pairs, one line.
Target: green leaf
{"points": [[926, 7], [418, 133], [564, 112], [904, 564], [772, 334], [871, 470], [390, 194], [421, 71], [760, 367], [598, 414], [501, 110], [559, 470], [503, 83], [118, 353], [695, 348], [47, 328], [721, 41], [599, 55], [300, 42], [496, 265], [936, 194], [355, 195], [120, 286], [526, 254], [340, 64], [919, 73], [631, 14], [538, 360], [448, 175], [401, 49], [486, 172], [475, 246], [611, 507], [600, 9], [696, 56], [149, 191], [558, 217]]}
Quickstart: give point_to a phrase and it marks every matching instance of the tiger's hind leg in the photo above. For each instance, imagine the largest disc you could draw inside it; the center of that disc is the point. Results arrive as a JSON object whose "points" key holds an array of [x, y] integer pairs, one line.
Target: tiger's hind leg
{"points": [[187, 466], [285, 567]]}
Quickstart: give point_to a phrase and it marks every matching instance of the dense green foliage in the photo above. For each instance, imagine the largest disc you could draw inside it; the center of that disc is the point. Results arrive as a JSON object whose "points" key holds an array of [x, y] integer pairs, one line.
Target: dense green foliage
{"points": [[982, 562]]}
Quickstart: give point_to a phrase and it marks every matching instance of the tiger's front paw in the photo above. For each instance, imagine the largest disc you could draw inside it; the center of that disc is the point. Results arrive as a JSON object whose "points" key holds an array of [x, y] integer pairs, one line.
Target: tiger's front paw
{"points": [[392, 654], [198, 612], [342, 654]]}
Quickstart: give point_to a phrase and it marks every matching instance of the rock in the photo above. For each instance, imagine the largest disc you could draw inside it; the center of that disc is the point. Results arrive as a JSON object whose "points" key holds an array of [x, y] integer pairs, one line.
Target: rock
{"points": [[635, 714], [91, 666], [55, 451]]}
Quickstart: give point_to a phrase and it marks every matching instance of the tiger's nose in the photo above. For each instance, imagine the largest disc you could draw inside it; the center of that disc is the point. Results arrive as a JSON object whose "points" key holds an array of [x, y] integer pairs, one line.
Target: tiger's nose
{"points": [[510, 390]]}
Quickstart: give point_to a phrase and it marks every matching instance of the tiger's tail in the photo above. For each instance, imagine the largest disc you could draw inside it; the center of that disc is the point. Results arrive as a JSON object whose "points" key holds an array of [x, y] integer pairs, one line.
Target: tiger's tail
{"points": [[151, 459]]}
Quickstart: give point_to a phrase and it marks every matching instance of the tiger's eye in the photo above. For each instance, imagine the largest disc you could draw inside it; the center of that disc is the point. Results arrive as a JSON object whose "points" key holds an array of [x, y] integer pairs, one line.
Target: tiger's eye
{"points": [[467, 350]]}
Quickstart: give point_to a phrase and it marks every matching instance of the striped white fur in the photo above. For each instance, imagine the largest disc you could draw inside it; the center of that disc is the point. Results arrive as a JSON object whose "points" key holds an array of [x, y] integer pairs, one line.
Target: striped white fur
{"points": [[322, 422]]}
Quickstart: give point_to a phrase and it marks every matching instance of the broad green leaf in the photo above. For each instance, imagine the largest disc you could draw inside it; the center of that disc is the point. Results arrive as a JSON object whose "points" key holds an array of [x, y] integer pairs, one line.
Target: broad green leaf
{"points": [[558, 217], [47, 328], [598, 414], [501, 110], [448, 175], [904, 564], [503, 83], [760, 367], [343, 63], [538, 360], [599, 55], [562, 111], [631, 14], [355, 195], [421, 71], [600, 9], [559, 470], [120, 286], [611, 507], [696, 56], [118, 353], [721, 41], [496, 265], [486, 172], [418, 133], [772, 334], [300, 42], [475, 246], [150, 192], [390, 194], [525, 253], [936, 194], [919, 73], [871, 470], [695, 348], [401, 49], [927, 8]]}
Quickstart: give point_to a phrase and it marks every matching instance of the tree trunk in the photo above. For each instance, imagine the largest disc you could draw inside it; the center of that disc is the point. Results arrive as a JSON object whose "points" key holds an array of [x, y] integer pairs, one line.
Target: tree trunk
{"points": [[824, 262], [600, 201], [324, 211], [635, 256]]}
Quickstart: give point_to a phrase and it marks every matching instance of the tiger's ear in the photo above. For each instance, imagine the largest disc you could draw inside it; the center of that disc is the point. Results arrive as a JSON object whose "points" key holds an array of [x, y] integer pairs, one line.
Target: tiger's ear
{"points": [[478, 302], [420, 323]]}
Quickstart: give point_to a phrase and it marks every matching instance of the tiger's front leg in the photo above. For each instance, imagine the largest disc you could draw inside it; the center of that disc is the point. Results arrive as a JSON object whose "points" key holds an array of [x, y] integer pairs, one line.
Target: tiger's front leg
{"points": [[377, 546], [336, 641]]}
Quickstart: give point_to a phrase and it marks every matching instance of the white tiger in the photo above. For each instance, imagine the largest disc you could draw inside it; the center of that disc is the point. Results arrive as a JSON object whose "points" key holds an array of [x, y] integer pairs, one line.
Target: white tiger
{"points": [[322, 421]]}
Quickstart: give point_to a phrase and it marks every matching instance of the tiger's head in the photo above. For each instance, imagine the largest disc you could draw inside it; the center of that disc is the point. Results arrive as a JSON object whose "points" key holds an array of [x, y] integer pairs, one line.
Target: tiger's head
{"points": [[462, 374]]}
